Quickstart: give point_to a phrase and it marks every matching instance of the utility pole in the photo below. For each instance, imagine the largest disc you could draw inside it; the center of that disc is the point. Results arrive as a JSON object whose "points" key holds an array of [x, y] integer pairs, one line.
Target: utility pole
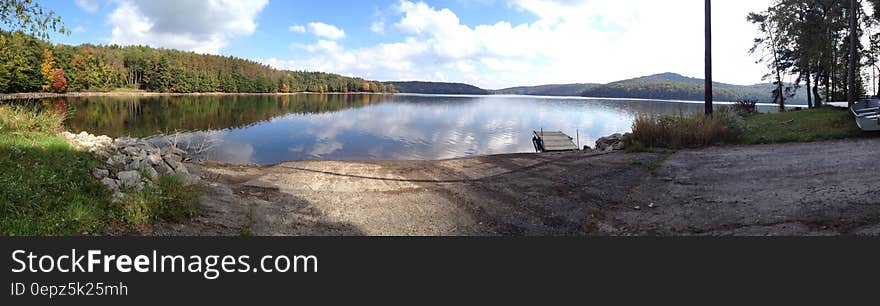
{"points": [[853, 50], [708, 94]]}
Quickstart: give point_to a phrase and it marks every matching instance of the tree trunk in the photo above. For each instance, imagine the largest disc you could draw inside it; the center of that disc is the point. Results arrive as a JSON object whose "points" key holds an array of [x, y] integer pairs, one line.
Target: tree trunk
{"points": [[708, 64], [809, 92], [853, 51], [818, 100], [780, 96]]}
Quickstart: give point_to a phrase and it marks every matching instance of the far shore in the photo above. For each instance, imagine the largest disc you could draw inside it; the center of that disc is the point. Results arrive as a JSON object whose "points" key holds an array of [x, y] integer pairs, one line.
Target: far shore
{"points": [[49, 95]]}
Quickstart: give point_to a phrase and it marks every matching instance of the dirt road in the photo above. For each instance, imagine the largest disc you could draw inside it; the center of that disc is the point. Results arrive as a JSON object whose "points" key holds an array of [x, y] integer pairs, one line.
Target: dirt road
{"points": [[824, 188]]}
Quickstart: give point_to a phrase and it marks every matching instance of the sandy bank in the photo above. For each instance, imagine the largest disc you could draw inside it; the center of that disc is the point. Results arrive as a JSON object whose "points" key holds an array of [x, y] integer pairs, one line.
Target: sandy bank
{"points": [[823, 188]]}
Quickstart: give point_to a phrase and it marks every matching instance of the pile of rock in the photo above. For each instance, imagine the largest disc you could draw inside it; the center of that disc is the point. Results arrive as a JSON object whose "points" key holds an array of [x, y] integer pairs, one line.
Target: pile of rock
{"points": [[131, 164], [610, 143]]}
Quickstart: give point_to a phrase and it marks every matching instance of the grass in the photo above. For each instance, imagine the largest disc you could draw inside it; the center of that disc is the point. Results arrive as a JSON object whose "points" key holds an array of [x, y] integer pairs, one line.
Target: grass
{"points": [[801, 126], [46, 188], [730, 128], [685, 130], [169, 200]]}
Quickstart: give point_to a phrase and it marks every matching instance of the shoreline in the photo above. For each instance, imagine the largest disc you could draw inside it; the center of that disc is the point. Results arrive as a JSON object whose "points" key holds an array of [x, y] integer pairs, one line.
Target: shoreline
{"points": [[83, 94], [722, 191]]}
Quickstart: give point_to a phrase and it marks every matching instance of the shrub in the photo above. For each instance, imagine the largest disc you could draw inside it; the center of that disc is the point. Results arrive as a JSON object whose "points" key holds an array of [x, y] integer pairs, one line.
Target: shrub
{"points": [[687, 130], [746, 107]]}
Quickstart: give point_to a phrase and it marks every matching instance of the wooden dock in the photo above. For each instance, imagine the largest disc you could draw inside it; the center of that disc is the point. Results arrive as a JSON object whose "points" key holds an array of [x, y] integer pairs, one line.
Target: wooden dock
{"points": [[553, 142]]}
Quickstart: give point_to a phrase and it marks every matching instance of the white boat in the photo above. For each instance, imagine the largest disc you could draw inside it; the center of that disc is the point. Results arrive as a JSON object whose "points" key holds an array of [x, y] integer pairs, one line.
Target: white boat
{"points": [[867, 112]]}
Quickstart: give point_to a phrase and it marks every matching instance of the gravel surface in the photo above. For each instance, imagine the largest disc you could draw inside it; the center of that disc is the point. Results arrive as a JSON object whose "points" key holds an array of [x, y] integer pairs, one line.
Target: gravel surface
{"points": [[822, 188]]}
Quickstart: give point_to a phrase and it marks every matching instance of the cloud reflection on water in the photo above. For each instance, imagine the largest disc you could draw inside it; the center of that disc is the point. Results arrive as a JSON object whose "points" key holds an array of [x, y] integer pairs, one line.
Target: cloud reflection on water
{"points": [[408, 127]]}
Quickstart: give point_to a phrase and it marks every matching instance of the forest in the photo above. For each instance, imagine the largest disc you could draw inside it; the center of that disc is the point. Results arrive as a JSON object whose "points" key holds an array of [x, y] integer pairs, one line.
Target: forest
{"points": [[806, 43], [439, 88], [30, 64]]}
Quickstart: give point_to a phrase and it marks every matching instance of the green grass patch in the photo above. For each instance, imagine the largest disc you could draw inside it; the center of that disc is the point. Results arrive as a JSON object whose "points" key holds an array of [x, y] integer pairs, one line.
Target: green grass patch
{"points": [[168, 200], [728, 127], [801, 126], [46, 187]]}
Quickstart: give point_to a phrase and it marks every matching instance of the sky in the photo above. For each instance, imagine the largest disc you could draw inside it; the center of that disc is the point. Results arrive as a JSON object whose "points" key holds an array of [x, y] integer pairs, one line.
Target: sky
{"points": [[492, 44]]}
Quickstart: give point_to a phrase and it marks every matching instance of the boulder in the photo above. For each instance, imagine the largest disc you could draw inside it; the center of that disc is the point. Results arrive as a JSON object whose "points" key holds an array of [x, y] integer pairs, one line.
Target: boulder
{"points": [[133, 151], [133, 165], [179, 168], [173, 151], [111, 184], [190, 179], [163, 168], [154, 159], [129, 179], [610, 143], [117, 161], [170, 157], [151, 173], [100, 153], [100, 174]]}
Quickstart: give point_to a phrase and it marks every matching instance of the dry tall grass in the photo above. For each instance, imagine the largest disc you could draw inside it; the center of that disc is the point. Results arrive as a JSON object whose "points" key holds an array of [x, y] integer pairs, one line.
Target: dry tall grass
{"points": [[21, 119], [687, 130]]}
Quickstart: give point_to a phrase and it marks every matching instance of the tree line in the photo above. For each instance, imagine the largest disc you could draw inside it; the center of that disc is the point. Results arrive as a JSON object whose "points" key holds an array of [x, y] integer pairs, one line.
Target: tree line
{"points": [[807, 43], [30, 64]]}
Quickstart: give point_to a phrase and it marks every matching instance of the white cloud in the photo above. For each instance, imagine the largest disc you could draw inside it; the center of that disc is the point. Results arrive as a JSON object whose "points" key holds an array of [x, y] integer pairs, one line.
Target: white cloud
{"points": [[378, 27], [200, 26], [568, 41], [297, 29], [326, 31], [87, 5], [279, 63]]}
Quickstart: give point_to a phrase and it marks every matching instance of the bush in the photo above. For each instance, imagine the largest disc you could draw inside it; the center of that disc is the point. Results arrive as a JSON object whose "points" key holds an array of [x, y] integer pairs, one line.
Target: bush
{"points": [[687, 130], [746, 107]]}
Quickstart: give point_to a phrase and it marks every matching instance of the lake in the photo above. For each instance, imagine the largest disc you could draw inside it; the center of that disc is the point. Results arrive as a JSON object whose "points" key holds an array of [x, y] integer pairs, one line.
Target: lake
{"points": [[272, 129]]}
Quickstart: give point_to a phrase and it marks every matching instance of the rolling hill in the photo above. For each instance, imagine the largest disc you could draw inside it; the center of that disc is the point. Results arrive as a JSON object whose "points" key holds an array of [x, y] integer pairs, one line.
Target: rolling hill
{"points": [[677, 87], [546, 90], [665, 86], [438, 88]]}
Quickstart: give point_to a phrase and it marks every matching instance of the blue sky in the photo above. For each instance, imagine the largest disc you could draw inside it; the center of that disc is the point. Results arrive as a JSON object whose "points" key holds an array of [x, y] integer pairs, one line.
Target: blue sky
{"points": [[489, 43]]}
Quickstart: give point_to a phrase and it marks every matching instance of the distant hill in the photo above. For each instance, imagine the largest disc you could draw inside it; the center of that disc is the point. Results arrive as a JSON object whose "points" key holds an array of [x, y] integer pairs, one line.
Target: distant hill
{"points": [[677, 87], [665, 86], [438, 88], [546, 90]]}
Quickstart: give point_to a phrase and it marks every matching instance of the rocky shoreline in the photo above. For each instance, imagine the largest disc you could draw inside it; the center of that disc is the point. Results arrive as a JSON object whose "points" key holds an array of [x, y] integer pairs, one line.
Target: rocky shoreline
{"points": [[130, 165]]}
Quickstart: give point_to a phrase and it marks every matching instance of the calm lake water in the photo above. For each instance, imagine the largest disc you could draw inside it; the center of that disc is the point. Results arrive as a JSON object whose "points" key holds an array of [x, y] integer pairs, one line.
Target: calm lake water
{"points": [[272, 129]]}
